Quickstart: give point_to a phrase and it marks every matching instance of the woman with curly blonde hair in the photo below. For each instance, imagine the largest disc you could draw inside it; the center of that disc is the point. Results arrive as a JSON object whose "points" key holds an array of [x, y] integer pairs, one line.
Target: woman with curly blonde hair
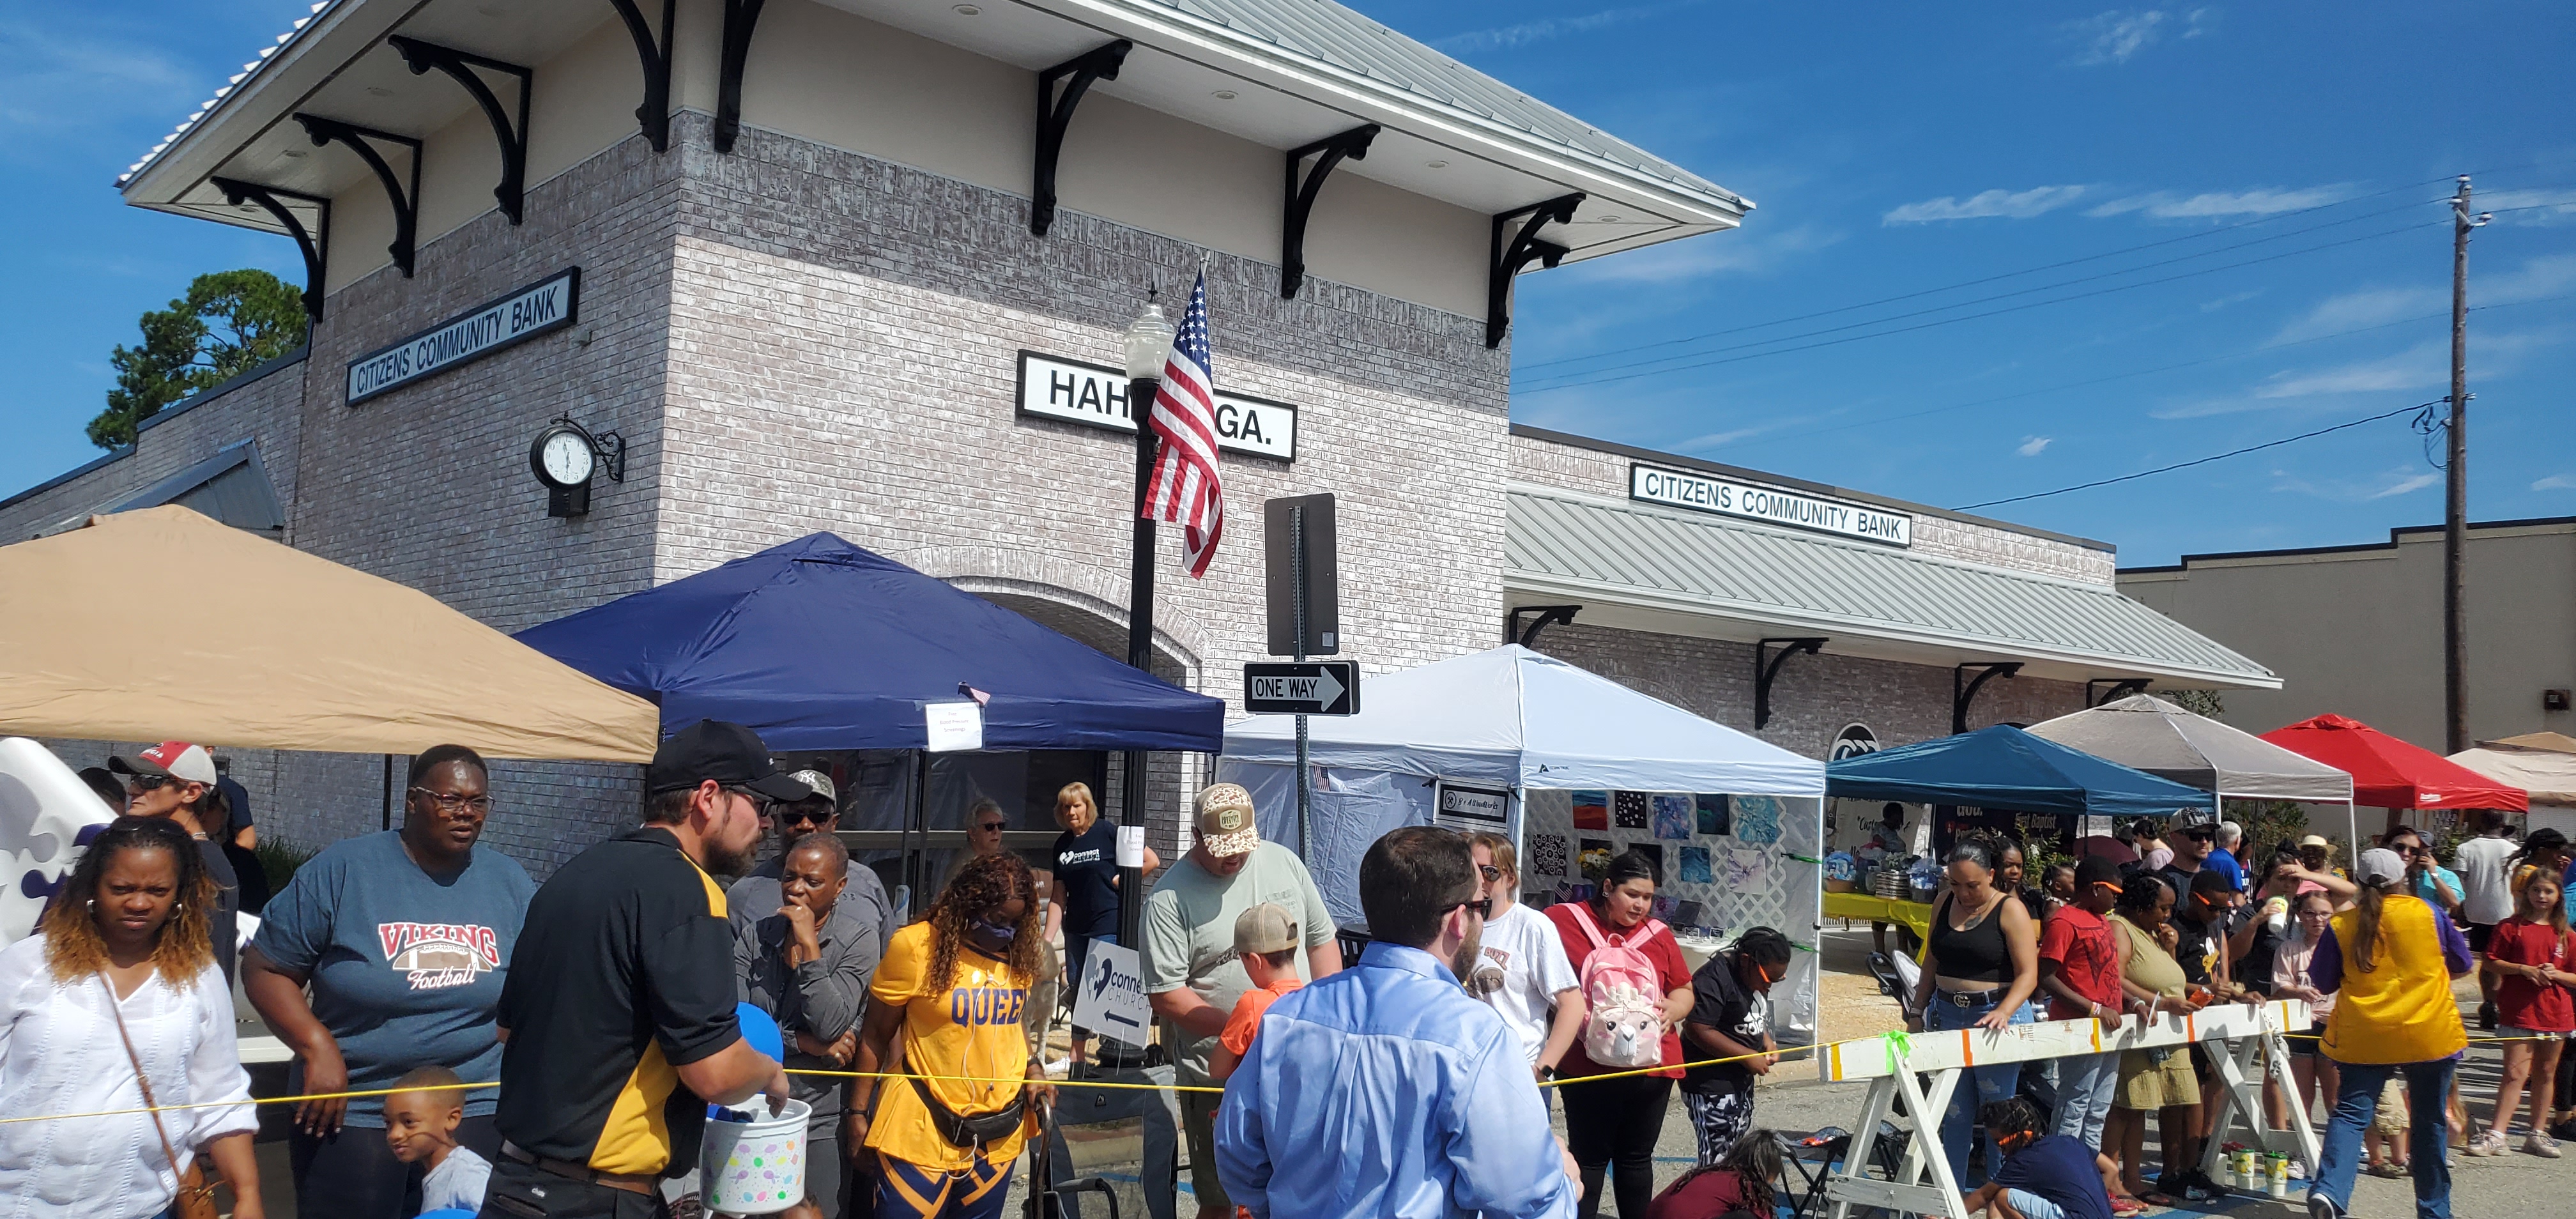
{"points": [[956, 986], [116, 1005]]}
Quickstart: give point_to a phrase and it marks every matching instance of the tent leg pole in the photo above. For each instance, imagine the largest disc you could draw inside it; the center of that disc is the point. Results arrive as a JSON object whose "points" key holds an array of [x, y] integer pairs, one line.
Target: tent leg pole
{"points": [[2352, 826]]}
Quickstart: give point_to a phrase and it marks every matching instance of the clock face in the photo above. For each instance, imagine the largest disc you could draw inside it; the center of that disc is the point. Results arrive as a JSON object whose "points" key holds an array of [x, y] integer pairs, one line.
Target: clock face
{"points": [[567, 459]]}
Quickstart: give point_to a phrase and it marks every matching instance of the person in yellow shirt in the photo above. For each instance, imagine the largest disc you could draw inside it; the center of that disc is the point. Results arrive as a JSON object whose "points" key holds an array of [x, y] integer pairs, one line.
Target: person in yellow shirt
{"points": [[2389, 962], [955, 986]]}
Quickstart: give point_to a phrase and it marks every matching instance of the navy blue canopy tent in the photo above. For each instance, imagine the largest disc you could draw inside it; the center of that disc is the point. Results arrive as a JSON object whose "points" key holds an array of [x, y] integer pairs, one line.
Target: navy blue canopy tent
{"points": [[819, 645], [2006, 768]]}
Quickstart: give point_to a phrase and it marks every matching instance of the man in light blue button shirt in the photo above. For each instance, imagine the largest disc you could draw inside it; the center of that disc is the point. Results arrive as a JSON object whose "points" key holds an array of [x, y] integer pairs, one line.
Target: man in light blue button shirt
{"points": [[1385, 1090]]}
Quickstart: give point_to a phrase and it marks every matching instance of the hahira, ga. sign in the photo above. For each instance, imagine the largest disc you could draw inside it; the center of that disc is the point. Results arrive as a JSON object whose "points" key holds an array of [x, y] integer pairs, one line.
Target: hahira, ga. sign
{"points": [[1094, 396], [1727, 497]]}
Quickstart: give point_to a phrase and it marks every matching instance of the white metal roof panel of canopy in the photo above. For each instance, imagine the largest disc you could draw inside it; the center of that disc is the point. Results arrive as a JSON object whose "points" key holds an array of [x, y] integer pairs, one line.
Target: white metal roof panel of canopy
{"points": [[1649, 568], [2147, 733], [1291, 71]]}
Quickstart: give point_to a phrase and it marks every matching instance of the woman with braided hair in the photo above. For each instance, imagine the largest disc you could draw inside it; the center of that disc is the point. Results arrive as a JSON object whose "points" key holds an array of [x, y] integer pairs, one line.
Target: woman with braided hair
{"points": [[116, 1005], [956, 987]]}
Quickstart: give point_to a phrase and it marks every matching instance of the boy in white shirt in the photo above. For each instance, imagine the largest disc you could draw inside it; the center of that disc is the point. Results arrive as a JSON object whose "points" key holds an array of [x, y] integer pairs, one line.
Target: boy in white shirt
{"points": [[1523, 972], [420, 1127]]}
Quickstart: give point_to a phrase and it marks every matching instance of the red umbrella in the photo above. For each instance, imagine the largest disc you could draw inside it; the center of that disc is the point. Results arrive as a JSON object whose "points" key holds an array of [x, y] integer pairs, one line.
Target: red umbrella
{"points": [[2389, 773]]}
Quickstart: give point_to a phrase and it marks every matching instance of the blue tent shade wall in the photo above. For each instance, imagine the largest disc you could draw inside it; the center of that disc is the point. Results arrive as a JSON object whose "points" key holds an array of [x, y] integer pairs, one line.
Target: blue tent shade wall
{"points": [[818, 644], [2004, 767]]}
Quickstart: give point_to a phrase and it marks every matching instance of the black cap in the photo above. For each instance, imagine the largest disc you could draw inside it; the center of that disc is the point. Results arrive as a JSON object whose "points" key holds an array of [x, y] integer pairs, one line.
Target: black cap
{"points": [[730, 754]]}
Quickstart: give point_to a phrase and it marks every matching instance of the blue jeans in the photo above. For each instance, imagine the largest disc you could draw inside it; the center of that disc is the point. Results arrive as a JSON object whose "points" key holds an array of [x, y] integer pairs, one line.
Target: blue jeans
{"points": [[1992, 1084], [2428, 1089], [2085, 1086], [2032, 1206]]}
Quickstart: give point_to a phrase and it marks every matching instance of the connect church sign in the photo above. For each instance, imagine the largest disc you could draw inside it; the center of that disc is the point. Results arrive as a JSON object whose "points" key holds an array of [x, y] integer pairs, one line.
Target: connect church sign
{"points": [[1727, 497]]}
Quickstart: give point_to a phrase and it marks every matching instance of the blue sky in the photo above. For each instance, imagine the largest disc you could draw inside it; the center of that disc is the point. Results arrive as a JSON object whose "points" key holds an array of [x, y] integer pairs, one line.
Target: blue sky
{"points": [[1894, 151]]}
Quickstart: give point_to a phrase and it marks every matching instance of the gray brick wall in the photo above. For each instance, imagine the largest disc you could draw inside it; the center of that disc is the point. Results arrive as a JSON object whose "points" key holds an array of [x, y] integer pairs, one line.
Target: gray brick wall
{"points": [[1813, 697], [1550, 464]]}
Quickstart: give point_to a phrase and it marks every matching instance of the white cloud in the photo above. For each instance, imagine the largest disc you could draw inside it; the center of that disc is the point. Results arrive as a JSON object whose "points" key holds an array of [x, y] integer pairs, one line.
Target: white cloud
{"points": [[1717, 439], [2232, 298], [2423, 366], [2114, 36], [2412, 482], [2215, 205], [2555, 482], [1504, 37], [54, 80], [2529, 206], [2033, 446], [2549, 275], [2019, 205]]}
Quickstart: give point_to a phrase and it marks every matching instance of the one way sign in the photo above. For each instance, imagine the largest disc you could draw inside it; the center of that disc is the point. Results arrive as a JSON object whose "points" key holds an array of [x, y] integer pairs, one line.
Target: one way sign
{"points": [[1307, 687]]}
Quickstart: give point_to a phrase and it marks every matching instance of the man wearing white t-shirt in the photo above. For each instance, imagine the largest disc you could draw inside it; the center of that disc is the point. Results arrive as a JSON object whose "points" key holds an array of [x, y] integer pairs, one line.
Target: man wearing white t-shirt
{"points": [[1523, 971], [2488, 901]]}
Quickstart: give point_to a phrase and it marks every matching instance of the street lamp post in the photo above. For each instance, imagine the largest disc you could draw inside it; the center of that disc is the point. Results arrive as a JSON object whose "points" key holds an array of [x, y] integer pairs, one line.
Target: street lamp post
{"points": [[1147, 343]]}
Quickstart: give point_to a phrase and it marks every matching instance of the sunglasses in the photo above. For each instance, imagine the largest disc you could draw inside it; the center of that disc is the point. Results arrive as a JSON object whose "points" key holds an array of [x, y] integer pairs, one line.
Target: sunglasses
{"points": [[803, 816], [992, 827], [145, 783], [1482, 907], [449, 802], [760, 804]]}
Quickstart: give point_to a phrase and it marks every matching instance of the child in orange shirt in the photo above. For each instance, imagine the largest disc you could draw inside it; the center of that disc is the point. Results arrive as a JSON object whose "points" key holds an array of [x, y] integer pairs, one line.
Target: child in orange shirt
{"points": [[1266, 940]]}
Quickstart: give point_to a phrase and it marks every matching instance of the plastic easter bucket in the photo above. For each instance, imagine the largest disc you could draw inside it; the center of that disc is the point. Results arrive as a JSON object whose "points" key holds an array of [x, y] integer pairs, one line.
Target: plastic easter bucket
{"points": [[754, 1167]]}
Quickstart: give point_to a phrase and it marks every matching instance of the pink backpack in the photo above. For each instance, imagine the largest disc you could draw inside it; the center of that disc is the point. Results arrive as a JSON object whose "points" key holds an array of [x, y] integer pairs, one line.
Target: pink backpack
{"points": [[1623, 1029]]}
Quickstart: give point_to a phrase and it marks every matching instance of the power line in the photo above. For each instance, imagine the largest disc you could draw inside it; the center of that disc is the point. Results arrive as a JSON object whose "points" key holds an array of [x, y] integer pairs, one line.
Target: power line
{"points": [[2136, 372], [1970, 317], [1889, 300], [2201, 461]]}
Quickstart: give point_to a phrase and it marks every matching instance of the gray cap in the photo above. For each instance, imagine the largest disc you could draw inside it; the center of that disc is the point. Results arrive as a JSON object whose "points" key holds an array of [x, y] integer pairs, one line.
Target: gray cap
{"points": [[2380, 866], [820, 782]]}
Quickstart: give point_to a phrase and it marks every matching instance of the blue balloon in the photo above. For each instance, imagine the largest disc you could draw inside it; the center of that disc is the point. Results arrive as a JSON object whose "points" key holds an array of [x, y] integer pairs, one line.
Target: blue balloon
{"points": [[762, 1034]]}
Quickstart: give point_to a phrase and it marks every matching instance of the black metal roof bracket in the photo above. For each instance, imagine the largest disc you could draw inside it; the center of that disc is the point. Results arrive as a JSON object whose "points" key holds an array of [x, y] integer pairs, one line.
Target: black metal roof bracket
{"points": [[2120, 688], [1766, 666], [1547, 615], [1963, 694], [654, 116], [361, 141], [740, 17], [271, 198], [1523, 248], [1300, 199], [1055, 113], [512, 137]]}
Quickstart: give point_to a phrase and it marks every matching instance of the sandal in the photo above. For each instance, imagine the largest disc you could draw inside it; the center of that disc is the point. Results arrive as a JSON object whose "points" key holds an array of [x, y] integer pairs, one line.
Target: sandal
{"points": [[2153, 1199], [2126, 1207]]}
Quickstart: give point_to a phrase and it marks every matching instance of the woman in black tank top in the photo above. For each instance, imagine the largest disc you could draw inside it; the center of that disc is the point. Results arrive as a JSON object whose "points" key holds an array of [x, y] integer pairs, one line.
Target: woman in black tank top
{"points": [[1981, 969]]}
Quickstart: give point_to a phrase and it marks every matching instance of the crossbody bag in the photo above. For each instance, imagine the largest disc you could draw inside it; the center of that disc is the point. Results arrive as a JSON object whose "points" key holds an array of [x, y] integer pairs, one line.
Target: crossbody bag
{"points": [[196, 1198]]}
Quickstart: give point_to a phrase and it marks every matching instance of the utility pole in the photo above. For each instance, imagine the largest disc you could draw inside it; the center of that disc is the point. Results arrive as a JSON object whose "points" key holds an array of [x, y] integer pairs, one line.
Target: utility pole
{"points": [[2455, 519]]}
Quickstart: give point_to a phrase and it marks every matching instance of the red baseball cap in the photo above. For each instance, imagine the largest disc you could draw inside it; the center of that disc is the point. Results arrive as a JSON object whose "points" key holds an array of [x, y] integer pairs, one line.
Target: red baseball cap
{"points": [[176, 759]]}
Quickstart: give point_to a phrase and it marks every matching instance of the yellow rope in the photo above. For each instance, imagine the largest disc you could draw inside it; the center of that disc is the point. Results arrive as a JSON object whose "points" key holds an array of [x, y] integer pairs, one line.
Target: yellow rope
{"points": [[1059, 1083]]}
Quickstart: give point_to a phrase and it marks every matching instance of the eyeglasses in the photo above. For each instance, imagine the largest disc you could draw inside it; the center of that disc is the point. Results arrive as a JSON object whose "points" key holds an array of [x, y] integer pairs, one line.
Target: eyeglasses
{"points": [[449, 802], [1489, 871]]}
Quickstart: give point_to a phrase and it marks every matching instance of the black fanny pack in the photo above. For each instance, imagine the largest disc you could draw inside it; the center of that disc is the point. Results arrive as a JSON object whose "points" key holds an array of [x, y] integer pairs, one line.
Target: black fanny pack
{"points": [[975, 1131]]}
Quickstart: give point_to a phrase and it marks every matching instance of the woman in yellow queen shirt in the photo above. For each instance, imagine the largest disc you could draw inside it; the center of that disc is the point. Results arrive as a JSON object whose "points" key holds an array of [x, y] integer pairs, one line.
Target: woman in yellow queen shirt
{"points": [[956, 986]]}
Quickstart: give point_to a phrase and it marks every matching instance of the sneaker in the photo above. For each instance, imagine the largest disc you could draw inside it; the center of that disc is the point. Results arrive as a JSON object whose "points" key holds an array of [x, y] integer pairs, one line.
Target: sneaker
{"points": [[2541, 1145], [2564, 1130], [2488, 1143], [2323, 1207], [2182, 1188]]}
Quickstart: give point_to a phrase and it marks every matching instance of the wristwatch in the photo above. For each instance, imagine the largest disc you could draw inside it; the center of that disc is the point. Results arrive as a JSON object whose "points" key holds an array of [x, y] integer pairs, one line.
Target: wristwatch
{"points": [[1547, 1072]]}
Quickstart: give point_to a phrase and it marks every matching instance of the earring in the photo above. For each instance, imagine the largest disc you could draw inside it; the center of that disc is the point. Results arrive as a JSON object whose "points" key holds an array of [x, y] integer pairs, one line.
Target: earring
{"points": [[93, 905], [176, 907]]}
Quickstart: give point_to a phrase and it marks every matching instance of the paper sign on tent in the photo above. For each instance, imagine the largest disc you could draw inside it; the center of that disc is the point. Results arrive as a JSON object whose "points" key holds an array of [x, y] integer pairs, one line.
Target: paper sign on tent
{"points": [[952, 727]]}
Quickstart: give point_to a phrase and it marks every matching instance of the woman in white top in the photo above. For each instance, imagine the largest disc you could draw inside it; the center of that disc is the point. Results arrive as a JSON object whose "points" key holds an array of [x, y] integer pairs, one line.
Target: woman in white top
{"points": [[1521, 969], [122, 958]]}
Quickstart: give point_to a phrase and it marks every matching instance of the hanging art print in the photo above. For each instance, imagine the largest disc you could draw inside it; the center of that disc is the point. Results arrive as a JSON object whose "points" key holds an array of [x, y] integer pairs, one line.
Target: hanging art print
{"points": [[1757, 818], [1547, 854], [1673, 817], [1695, 870], [1591, 810], [1629, 810], [1713, 817]]}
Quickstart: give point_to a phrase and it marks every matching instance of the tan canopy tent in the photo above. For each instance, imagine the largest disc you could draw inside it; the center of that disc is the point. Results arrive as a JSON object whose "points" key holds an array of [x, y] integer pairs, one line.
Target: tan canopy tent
{"points": [[2542, 763], [162, 624]]}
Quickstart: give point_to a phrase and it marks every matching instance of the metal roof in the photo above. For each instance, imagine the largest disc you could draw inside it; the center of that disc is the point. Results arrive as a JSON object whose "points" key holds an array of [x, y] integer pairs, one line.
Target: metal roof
{"points": [[1343, 38], [1777, 580]]}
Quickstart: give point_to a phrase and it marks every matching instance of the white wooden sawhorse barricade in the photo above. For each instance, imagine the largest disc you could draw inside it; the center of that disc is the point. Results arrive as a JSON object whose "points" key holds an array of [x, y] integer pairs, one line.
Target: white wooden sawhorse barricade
{"points": [[2246, 1037]]}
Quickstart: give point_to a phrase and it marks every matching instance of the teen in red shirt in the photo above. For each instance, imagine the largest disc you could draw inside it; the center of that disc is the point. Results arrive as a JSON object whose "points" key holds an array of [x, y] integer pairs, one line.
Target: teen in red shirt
{"points": [[2079, 971], [2527, 963]]}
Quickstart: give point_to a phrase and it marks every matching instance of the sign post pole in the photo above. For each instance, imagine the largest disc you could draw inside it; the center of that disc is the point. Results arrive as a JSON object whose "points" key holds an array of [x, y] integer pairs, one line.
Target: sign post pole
{"points": [[1297, 547]]}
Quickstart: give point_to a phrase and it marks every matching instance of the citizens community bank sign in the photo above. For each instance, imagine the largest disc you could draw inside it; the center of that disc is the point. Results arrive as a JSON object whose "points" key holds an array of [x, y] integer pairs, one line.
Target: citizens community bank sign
{"points": [[546, 305], [1094, 396], [1726, 497]]}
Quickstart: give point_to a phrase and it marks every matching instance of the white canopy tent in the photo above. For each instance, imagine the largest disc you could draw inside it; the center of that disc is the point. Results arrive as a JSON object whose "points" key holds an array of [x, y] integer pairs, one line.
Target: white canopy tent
{"points": [[1504, 739], [2541, 763], [2147, 733]]}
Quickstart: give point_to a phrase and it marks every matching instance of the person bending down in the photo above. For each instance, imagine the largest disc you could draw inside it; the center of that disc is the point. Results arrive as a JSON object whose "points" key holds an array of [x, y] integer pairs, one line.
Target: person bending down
{"points": [[2046, 1176]]}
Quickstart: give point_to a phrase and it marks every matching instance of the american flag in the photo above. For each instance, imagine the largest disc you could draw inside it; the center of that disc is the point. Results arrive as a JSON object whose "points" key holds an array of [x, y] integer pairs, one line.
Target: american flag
{"points": [[1185, 481]]}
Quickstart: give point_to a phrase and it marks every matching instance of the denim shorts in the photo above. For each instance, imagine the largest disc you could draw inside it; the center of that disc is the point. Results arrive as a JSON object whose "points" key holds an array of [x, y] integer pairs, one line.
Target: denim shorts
{"points": [[2507, 1030]]}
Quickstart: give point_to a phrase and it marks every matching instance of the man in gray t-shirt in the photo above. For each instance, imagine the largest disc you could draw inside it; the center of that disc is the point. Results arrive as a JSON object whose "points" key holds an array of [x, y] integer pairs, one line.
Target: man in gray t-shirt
{"points": [[1191, 975]]}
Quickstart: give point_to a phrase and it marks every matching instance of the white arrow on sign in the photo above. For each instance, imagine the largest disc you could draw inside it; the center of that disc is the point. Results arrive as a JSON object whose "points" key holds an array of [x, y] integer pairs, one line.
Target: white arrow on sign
{"points": [[1327, 690]]}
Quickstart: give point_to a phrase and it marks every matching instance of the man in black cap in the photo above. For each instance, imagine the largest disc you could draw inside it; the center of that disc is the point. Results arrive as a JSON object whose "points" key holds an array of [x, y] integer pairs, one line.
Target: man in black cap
{"points": [[618, 1017]]}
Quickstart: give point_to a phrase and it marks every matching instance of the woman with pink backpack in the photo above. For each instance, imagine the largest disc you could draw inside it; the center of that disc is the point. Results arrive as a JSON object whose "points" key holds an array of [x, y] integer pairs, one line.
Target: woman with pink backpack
{"points": [[1636, 989]]}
